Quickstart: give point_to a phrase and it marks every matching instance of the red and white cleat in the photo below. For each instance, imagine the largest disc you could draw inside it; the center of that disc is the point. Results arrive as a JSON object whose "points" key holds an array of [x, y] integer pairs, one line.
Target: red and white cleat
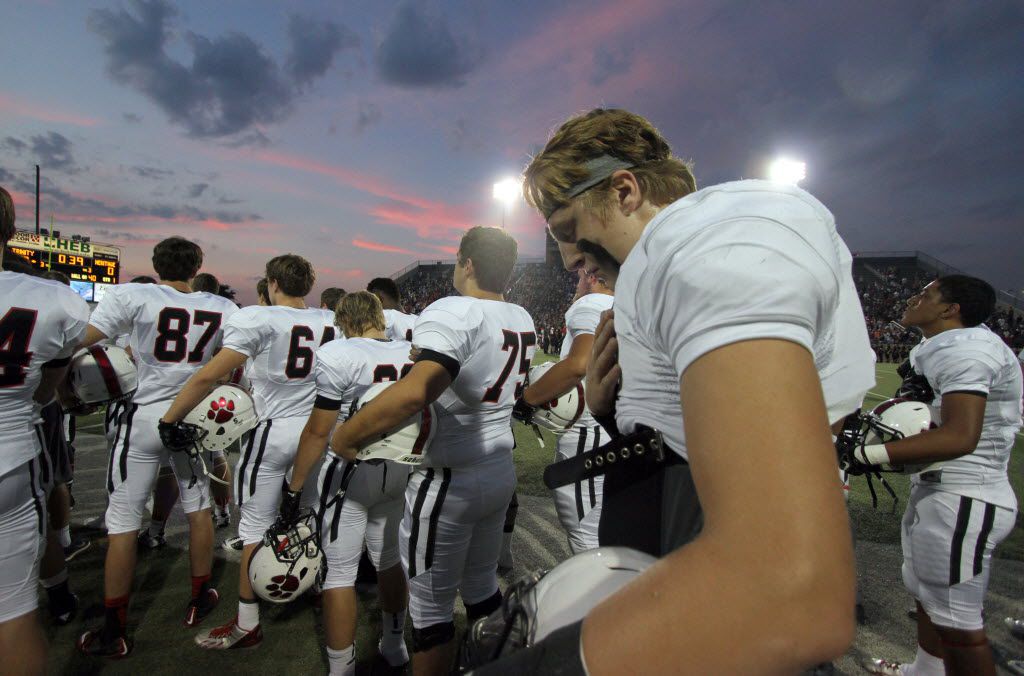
{"points": [[230, 637]]}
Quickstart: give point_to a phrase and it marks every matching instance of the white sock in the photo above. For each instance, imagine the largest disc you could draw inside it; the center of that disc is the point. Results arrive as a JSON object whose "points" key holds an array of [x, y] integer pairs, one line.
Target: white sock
{"points": [[156, 527], [248, 615], [342, 662], [392, 639], [925, 664], [65, 536]]}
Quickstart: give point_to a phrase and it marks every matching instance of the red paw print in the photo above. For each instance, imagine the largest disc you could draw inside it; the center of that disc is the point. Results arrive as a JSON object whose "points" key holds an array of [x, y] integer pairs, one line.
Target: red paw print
{"points": [[221, 410]]}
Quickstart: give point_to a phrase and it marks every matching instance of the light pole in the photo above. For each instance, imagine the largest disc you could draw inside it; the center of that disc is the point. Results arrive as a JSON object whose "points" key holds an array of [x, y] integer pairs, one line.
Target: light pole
{"points": [[786, 170], [506, 191]]}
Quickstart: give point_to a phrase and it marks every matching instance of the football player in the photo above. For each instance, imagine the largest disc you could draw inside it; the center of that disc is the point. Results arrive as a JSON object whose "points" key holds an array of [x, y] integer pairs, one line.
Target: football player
{"points": [[280, 341], [262, 295], [173, 332], [399, 324], [41, 322], [578, 505], [329, 298], [961, 503], [472, 355], [727, 305], [357, 501]]}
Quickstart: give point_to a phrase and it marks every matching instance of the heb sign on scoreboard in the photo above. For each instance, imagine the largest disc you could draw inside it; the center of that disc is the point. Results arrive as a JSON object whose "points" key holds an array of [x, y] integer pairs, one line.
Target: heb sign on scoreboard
{"points": [[61, 245]]}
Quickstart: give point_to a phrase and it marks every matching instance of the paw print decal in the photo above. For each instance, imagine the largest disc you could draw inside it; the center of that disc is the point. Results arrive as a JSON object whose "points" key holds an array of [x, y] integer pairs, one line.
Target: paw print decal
{"points": [[221, 410], [284, 586]]}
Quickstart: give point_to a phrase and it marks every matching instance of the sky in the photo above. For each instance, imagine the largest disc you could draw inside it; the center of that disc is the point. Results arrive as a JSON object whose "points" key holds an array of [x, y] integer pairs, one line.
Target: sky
{"points": [[366, 136]]}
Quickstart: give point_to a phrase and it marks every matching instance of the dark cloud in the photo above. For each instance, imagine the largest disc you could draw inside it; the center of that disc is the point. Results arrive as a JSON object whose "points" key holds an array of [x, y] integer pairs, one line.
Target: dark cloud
{"points": [[55, 198], [131, 118], [196, 190], [609, 61], [152, 172], [367, 115], [420, 50], [314, 43], [50, 150], [231, 86]]}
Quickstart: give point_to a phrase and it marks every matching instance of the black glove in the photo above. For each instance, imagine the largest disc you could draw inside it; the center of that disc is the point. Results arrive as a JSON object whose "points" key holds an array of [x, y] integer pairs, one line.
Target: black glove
{"points": [[179, 436], [914, 386], [556, 655], [288, 513], [850, 438], [523, 412]]}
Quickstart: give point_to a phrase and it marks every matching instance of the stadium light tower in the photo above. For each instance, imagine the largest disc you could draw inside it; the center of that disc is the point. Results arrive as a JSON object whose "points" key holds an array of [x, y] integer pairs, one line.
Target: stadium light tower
{"points": [[786, 170], [506, 191]]}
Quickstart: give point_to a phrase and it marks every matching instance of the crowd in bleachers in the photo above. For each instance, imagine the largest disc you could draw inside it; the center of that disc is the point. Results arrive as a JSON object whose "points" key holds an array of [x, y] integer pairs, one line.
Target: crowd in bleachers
{"points": [[546, 292]]}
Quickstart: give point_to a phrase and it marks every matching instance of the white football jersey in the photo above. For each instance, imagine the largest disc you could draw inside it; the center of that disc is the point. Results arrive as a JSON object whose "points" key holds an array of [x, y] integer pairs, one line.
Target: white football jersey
{"points": [[346, 368], [492, 342], [332, 319], [41, 321], [398, 325], [281, 343], [582, 318], [978, 361], [172, 334], [739, 261]]}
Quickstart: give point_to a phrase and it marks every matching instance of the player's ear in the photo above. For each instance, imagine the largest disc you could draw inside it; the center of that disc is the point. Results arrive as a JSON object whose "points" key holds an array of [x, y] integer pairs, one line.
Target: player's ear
{"points": [[626, 191]]}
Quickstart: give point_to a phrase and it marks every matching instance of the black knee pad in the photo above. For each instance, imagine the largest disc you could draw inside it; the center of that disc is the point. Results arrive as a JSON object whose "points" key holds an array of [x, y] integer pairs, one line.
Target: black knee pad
{"points": [[511, 513], [474, 611], [429, 637]]}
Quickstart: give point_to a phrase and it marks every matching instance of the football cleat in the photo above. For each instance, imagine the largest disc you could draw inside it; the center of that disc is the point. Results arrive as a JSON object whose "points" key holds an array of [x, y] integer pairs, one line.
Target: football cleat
{"points": [[233, 544], [151, 542], [199, 608], [63, 609], [397, 660], [222, 520], [1016, 627], [95, 644], [79, 544], [884, 667], [230, 637]]}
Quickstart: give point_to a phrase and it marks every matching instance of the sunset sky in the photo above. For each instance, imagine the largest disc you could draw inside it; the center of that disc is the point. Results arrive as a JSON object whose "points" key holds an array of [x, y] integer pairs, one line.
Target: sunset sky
{"points": [[365, 136]]}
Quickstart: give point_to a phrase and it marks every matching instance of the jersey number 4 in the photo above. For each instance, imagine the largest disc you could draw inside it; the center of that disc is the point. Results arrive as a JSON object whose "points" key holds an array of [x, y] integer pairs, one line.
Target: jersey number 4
{"points": [[515, 344], [15, 334], [172, 327]]}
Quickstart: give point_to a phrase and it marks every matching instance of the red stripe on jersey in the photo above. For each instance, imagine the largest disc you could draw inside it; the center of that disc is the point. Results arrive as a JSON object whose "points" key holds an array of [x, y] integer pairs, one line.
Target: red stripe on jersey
{"points": [[421, 439], [107, 371]]}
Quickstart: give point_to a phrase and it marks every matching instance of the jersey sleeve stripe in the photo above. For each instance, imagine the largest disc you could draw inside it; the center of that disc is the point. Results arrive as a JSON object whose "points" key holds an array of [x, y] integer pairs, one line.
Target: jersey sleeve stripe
{"points": [[449, 363]]}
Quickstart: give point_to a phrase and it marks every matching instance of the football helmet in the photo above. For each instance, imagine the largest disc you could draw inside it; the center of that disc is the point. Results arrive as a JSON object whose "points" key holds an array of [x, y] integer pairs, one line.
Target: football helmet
{"points": [[285, 564], [101, 374], [542, 602], [560, 414], [897, 419], [408, 441], [224, 416]]}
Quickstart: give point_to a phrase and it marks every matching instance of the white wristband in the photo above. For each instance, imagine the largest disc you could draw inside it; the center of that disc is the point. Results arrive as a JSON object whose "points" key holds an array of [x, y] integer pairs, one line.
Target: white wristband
{"points": [[875, 454]]}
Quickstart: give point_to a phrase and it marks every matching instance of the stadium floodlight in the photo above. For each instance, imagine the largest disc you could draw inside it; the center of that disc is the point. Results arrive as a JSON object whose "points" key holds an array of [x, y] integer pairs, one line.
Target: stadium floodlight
{"points": [[506, 191], [785, 170]]}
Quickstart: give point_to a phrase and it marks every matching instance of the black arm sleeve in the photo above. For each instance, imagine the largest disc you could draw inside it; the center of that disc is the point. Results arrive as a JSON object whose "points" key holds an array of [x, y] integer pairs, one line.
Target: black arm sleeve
{"points": [[327, 403], [57, 363], [449, 364]]}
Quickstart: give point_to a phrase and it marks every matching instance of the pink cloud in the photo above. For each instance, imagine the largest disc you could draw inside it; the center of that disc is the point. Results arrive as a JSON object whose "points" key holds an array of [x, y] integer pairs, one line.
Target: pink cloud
{"points": [[384, 248], [46, 113]]}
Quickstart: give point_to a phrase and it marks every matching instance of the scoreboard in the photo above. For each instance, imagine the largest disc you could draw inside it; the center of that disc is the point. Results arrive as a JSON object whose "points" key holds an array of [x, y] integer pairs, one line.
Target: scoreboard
{"points": [[92, 267]]}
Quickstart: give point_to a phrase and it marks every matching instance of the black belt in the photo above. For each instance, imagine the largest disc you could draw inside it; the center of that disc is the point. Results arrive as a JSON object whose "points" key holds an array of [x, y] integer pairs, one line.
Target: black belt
{"points": [[643, 446]]}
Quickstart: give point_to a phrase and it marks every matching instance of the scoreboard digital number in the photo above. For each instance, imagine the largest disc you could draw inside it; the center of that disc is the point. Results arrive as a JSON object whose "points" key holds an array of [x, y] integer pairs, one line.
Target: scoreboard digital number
{"points": [[84, 263]]}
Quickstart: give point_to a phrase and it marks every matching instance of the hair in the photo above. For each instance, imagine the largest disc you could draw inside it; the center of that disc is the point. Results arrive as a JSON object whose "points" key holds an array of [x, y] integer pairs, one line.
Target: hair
{"points": [[57, 276], [15, 263], [976, 297], [262, 292], [358, 312], [142, 279], [177, 260], [493, 252], [663, 178], [7, 228], [330, 296], [385, 286], [294, 275], [204, 281]]}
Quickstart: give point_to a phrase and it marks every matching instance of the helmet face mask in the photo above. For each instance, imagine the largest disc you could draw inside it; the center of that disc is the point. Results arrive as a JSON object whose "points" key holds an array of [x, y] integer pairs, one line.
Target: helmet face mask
{"points": [[285, 565]]}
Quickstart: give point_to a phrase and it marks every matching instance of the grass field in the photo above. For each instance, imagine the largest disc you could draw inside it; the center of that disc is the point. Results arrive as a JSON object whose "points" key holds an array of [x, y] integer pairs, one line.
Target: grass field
{"points": [[293, 634]]}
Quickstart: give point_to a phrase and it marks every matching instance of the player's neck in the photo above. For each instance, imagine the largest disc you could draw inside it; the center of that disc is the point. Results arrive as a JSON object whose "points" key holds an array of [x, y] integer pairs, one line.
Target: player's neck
{"points": [[177, 286], [373, 334], [933, 329], [290, 301], [474, 291]]}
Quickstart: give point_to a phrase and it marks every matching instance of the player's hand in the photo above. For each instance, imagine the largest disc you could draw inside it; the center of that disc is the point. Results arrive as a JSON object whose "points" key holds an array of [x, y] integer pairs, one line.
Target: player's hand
{"points": [[288, 513], [179, 436], [603, 372], [523, 412]]}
